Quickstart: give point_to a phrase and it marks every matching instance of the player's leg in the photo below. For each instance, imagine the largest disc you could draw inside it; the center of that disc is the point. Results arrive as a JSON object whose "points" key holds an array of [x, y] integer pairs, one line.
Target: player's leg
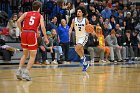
{"points": [[80, 42], [80, 51], [26, 74], [32, 47], [21, 64], [32, 59]]}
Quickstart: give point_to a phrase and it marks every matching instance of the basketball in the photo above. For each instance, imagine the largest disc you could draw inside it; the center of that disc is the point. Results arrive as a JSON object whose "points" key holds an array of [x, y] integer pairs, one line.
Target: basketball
{"points": [[89, 28]]}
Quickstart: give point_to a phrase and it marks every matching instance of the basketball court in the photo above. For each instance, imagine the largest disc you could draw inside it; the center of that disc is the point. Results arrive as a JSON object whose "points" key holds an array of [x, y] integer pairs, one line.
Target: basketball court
{"points": [[100, 78]]}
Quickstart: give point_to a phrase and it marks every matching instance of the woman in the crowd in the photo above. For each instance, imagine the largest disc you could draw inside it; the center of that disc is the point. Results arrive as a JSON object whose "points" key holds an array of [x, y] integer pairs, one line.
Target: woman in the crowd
{"points": [[56, 46], [70, 9], [12, 26]]}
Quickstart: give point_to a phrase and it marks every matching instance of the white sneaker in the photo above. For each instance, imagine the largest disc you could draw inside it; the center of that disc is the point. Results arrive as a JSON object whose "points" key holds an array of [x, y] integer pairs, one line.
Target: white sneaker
{"points": [[54, 62], [107, 61], [47, 62], [102, 61], [136, 58], [19, 73], [92, 61], [26, 75]]}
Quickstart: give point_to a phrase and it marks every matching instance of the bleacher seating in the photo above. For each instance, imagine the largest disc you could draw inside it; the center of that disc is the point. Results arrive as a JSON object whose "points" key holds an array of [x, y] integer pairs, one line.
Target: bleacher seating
{"points": [[16, 57]]}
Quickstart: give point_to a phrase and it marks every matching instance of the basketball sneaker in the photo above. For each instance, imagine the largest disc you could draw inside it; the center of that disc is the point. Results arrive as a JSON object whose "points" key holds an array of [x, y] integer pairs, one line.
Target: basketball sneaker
{"points": [[46, 62], [26, 75], [54, 62], [82, 61], [19, 73], [85, 67]]}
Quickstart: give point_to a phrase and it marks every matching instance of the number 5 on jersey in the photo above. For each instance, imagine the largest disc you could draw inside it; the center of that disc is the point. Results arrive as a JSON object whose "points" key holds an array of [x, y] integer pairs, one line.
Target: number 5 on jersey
{"points": [[32, 20]]}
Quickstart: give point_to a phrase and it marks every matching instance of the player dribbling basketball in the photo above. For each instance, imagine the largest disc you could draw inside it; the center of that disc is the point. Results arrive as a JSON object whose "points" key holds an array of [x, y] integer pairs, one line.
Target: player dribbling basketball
{"points": [[79, 24]]}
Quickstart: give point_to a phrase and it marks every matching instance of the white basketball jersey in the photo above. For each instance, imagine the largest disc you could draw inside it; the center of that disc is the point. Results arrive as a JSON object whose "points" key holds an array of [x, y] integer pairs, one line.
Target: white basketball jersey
{"points": [[79, 27]]}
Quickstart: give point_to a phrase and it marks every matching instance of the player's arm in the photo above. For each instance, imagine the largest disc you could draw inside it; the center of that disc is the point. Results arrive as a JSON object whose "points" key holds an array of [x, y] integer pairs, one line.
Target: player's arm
{"points": [[87, 21], [71, 27], [43, 29], [20, 20]]}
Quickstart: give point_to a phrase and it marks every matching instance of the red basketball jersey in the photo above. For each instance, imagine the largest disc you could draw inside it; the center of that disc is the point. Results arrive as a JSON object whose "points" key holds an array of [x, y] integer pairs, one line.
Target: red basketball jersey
{"points": [[31, 21]]}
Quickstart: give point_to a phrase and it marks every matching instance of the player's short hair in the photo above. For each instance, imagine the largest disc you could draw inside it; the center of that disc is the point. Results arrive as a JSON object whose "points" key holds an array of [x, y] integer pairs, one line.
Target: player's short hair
{"points": [[82, 9], [36, 5]]}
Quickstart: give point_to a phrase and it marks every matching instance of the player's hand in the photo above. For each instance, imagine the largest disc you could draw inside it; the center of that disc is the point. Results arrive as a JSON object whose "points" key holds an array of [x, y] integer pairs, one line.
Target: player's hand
{"points": [[46, 40], [42, 48], [51, 49]]}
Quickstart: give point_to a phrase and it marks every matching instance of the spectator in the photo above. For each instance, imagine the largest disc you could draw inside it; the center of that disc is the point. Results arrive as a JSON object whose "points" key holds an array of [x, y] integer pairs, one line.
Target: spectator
{"points": [[107, 21], [121, 5], [100, 7], [6, 51], [26, 5], [93, 48], [132, 9], [128, 21], [138, 10], [125, 10], [102, 42], [77, 2], [82, 3], [104, 3], [114, 11], [59, 10], [63, 33], [53, 24], [127, 44], [114, 47], [113, 22], [106, 13], [129, 3], [56, 47], [135, 20], [109, 3], [120, 19], [3, 18], [101, 21], [91, 11], [48, 7], [13, 29], [93, 20], [120, 40], [135, 43], [106, 31], [70, 9], [118, 29], [41, 50], [49, 47]]}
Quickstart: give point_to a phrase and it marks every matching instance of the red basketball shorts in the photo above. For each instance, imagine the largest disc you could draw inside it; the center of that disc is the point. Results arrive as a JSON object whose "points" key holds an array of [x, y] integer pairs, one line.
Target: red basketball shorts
{"points": [[29, 40]]}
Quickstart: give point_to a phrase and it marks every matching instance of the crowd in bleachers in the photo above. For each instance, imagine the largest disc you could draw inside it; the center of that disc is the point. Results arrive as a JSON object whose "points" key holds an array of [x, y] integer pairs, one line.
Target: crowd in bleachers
{"points": [[117, 27]]}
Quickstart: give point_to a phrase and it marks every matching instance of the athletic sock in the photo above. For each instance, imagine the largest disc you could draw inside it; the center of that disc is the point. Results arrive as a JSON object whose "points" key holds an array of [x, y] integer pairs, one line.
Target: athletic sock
{"points": [[82, 57]]}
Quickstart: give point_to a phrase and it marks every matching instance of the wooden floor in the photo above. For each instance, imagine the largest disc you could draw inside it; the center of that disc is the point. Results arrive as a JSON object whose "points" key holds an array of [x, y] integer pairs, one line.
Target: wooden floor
{"points": [[70, 79]]}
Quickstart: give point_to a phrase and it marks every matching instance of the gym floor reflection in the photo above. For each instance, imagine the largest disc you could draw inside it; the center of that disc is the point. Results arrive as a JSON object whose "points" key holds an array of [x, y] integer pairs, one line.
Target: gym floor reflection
{"points": [[70, 79]]}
